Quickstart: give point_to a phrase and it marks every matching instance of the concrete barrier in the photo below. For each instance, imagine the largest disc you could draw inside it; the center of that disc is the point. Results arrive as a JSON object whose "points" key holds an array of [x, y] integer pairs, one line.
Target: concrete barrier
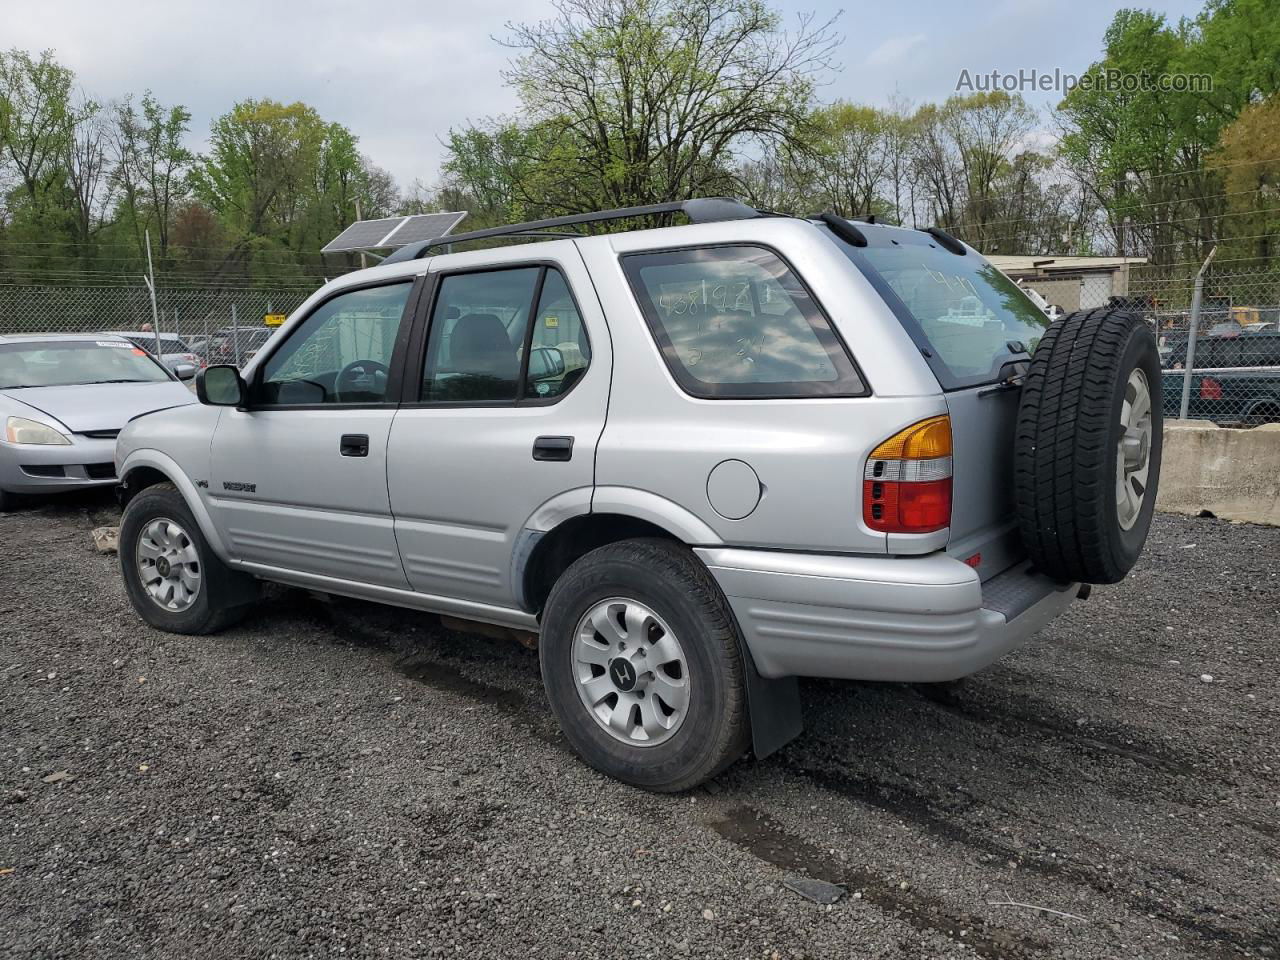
{"points": [[1233, 473]]}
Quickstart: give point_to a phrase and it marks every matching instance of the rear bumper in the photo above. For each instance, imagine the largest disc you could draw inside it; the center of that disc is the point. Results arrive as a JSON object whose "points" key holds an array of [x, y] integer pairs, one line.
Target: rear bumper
{"points": [[34, 468], [909, 619]]}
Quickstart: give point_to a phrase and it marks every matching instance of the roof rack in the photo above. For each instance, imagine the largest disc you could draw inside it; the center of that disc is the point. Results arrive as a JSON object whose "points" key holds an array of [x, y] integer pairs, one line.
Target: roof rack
{"points": [[699, 210]]}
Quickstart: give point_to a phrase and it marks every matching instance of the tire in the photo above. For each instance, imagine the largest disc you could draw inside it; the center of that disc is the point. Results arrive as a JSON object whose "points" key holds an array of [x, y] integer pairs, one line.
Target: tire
{"points": [[1083, 514], [223, 596], [624, 579], [7, 501]]}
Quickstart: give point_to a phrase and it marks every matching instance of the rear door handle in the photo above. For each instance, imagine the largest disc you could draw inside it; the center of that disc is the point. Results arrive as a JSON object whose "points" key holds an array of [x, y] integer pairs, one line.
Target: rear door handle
{"points": [[553, 448], [354, 445]]}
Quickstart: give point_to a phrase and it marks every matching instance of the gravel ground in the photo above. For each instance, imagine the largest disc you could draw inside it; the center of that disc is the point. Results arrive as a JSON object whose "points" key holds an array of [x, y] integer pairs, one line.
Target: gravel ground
{"points": [[345, 779]]}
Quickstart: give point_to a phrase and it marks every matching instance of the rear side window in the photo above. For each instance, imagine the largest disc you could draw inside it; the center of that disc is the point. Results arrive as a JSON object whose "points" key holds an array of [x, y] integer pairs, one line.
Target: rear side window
{"points": [[502, 336], [736, 322]]}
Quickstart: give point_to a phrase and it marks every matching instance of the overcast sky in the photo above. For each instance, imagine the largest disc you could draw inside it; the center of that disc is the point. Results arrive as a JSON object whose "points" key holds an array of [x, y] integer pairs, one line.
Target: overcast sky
{"points": [[399, 75]]}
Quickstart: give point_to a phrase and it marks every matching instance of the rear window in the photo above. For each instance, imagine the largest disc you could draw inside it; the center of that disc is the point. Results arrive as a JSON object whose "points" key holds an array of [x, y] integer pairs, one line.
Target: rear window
{"points": [[735, 322], [967, 311]]}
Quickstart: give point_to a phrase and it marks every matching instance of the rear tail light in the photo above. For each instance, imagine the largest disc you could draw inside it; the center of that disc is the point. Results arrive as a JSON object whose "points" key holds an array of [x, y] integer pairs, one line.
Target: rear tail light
{"points": [[1210, 389], [906, 487]]}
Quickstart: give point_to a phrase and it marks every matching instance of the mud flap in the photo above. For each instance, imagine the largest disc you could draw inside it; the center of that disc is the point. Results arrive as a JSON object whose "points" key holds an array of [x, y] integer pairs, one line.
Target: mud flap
{"points": [[773, 706]]}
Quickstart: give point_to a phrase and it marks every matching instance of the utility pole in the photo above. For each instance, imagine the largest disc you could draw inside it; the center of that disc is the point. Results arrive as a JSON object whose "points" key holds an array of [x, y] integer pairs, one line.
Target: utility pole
{"points": [[360, 216], [150, 281]]}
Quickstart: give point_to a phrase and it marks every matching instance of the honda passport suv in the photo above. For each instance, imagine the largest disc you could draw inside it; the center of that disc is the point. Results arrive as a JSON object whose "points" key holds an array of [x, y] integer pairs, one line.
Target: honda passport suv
{"points": [[698, 461]]}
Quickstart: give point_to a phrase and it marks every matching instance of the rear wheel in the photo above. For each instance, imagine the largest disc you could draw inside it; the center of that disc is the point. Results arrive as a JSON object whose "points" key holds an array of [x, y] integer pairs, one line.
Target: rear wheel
{"points": [[1087, 453], [641, 664], [174, 580]]}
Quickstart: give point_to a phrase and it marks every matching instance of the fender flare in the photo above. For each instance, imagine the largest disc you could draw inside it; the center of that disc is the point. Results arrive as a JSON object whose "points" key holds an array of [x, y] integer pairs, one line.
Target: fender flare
{"points": [[661, 512], [166, 465], [586, 500]]}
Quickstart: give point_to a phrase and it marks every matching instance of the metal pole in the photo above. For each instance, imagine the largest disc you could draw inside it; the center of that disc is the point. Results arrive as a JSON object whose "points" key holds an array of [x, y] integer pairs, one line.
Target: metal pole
{"points": [[360, 216], [151, 286], [1192, 327], [235, 333]]}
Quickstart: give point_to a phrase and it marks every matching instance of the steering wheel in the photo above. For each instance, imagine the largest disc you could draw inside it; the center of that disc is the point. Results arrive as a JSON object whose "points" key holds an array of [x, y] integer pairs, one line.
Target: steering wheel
{"points": [[361, 376]]}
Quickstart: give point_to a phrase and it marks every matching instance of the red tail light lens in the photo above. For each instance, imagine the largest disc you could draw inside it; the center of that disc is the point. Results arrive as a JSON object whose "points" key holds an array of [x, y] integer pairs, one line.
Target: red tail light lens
{"points": [[1210, 389], [906, 487]]}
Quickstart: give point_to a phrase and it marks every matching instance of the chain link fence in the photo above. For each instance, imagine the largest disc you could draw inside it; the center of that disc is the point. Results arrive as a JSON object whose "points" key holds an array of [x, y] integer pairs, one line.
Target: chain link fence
{"points": [[217, 324], [1229, 372]]}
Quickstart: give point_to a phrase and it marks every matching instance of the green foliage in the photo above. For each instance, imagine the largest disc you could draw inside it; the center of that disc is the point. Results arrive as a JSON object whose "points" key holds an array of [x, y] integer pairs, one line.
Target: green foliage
{"points": [[629, 102], [1143, 153]]}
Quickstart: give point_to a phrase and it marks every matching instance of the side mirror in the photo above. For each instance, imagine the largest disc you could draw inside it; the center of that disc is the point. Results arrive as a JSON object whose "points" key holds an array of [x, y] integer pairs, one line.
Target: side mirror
{"points": [[220, 386], [545, 363], [184, 371]]}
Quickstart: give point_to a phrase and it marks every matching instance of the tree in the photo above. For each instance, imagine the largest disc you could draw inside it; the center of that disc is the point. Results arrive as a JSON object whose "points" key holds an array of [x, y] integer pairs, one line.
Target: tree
{"points": [[1250, 170], [850, 157], [282, 180], [631, 102], [85, 161], [151, 166], [36, 117]]}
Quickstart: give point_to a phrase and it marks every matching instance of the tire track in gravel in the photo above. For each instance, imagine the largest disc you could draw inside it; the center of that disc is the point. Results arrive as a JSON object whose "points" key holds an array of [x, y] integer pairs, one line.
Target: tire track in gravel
{"points": [[1033, 716], [1030, 713], [764, 838], [946, 824]]}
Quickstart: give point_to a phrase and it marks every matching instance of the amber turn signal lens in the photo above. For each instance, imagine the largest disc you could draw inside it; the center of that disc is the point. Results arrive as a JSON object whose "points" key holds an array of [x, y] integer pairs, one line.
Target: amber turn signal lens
{"points": [[925, 440]]}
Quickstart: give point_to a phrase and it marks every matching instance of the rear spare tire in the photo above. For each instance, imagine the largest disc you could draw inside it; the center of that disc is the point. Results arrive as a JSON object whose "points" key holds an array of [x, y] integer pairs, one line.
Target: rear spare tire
{"points": [[1087, 448]]}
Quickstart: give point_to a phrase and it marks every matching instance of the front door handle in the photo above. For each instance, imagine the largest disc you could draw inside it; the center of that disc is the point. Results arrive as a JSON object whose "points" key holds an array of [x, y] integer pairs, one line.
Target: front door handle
{"points": [[354, 445], [553, 448]]}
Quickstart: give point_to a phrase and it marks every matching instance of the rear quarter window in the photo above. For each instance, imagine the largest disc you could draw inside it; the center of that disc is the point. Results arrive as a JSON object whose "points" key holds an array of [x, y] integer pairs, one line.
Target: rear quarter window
{"points": [[735, 322]]}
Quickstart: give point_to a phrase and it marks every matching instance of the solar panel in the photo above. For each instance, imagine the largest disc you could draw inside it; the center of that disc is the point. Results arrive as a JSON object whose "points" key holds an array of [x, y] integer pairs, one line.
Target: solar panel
{"points": [[424, 226], [392, 232], [361, 235]]}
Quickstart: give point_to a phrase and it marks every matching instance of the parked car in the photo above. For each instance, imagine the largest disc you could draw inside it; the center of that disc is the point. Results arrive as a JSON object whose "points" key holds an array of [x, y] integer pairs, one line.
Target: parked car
{"points": [[237, 346], [1235, 382], [1173, 348], [698, 461], [173, 351], [63, 400]]}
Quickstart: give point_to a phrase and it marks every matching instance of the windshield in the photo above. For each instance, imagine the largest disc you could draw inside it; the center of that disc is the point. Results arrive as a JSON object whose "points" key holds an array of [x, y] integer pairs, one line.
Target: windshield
{"points": [[54, 363], [971, 315]]}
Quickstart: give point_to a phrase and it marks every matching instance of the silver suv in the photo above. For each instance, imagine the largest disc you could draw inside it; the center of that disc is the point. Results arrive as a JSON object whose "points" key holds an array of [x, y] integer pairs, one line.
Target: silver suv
{"points": [[698, 461]]}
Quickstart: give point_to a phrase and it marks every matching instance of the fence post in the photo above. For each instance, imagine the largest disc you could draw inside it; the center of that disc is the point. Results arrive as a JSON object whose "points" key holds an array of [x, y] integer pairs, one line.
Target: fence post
{"points": [[235, 333], [151, 286], [1196, 297]]}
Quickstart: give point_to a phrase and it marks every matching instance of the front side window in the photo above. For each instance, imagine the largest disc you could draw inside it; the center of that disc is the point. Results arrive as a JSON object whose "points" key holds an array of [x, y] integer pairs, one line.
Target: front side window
{"points": [[736, 322], [490, 342], [341, 353]]}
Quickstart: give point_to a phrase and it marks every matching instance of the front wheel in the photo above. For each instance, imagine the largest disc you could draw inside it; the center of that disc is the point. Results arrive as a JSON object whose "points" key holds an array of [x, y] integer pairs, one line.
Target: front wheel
{"points": [[641, 663], [174, 580]]}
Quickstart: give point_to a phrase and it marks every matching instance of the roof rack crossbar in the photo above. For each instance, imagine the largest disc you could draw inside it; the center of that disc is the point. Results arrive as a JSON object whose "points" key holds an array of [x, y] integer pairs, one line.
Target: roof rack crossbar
{"points": [[698, 210]]}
